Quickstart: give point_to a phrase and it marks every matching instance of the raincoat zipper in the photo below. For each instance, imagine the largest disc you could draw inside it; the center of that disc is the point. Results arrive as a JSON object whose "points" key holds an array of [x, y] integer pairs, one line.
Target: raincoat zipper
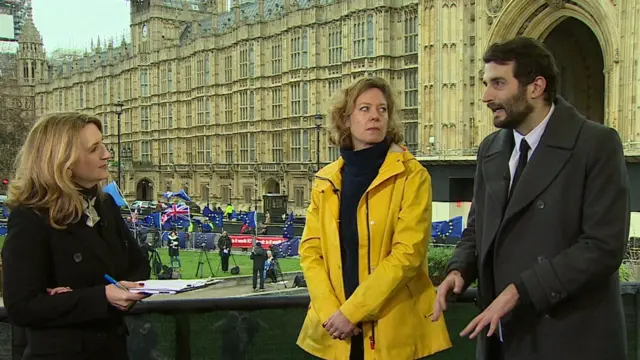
{"points": [[372, 338]]}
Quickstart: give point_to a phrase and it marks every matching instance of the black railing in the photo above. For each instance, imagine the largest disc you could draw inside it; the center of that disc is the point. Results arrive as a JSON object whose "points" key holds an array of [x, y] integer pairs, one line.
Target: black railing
{"points": [[266, 327]]}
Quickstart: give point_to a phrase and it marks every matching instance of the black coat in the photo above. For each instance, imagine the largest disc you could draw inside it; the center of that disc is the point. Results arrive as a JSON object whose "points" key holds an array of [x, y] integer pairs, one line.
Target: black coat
{"points": [[562, 236], [224, 242], [174, 246], [259, 257], [80, 324]]}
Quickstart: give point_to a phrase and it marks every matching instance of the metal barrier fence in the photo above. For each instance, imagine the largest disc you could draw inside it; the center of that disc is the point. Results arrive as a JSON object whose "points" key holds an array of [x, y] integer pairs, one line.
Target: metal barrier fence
{"points": [[265, 327]]}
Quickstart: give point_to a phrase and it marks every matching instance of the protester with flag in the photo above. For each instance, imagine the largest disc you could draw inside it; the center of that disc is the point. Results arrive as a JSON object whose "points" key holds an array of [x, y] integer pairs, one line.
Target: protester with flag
{"points": [[364, 245], [65, 233]]}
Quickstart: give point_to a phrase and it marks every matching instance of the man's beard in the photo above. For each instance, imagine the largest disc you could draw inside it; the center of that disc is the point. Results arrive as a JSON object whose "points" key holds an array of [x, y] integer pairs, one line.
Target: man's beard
{"points": [[516, 110]]}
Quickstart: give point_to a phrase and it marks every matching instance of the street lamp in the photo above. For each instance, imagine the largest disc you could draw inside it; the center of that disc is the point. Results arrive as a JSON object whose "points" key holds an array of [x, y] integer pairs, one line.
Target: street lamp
{"points": [[318, 119], [256, 196], [113, 156], [119, 106], [126, 157]]}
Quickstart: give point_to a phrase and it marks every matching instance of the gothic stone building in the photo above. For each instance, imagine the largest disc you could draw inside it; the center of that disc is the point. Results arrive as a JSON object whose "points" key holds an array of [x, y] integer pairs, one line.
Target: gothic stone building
{"points": [[222, 98]]}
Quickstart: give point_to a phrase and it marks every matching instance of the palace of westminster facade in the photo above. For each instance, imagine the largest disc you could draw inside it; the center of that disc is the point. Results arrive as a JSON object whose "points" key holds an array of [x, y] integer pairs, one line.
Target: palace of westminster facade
{"points": [[227, 99]]}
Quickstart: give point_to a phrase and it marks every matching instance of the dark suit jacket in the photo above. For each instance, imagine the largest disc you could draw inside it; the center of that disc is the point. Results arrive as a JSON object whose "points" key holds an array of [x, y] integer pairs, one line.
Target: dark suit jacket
{"points": [[79, 324], [562, 237], [259, 257]]}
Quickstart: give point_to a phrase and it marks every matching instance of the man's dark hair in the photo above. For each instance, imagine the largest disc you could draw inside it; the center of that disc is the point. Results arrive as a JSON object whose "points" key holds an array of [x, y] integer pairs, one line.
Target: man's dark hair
{"points": [[530, 59]]}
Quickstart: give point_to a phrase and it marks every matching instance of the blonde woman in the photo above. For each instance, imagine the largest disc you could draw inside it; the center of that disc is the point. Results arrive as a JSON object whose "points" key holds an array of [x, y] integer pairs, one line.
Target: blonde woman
{"points": [[64, 233], [364, 245]]}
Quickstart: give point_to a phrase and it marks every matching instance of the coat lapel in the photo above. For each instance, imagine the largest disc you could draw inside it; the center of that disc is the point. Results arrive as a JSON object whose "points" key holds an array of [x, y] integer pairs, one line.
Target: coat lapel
{"points": [[392, 165], [495, 170], [549, 157], [90, 242], [112, 237], [102, 243]]}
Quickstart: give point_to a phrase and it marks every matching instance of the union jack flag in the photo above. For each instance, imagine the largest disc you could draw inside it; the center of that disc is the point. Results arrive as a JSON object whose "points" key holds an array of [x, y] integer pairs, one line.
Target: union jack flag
{"points": [[176, 212]]}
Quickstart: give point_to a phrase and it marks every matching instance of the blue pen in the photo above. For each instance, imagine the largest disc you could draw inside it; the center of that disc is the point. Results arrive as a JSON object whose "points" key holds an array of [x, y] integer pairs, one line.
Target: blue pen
{"points": [[112, 281]]}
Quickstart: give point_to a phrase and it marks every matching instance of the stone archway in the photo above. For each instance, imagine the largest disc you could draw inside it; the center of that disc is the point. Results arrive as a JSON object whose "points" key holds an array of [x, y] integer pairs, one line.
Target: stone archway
{"points": [[271, 186], [581, 65], [144, 190], [554, 22]]}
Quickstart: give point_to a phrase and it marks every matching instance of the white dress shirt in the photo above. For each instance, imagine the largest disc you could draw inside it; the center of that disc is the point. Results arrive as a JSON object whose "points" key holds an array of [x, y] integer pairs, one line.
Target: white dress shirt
{"points": [[533, 139]]}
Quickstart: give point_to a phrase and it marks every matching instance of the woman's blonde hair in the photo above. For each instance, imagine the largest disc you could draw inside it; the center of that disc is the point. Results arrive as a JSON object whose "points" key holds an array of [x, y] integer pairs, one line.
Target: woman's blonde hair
{"points": [[43, 177], [346, 102]]}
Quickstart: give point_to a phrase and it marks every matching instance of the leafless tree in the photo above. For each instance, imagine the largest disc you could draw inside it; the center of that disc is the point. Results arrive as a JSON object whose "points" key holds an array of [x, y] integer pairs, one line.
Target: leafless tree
{"points": [[17, 114]]}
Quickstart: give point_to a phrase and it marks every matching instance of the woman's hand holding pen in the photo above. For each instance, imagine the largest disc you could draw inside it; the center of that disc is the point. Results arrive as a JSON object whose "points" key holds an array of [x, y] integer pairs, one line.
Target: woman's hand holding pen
{"points": [[123, 299]]}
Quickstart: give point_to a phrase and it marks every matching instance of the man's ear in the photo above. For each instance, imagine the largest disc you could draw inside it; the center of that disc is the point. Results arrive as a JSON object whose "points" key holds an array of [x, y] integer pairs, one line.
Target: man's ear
{"points": [[537, 87]]}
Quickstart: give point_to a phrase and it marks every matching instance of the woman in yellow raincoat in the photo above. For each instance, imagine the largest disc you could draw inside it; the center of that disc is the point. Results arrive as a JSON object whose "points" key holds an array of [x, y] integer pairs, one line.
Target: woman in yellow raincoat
{"points": [[364, 247]]}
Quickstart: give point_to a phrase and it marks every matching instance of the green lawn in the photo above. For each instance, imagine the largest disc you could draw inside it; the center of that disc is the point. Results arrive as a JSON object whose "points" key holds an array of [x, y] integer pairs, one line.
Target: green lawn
{"points": [[189, 260]]}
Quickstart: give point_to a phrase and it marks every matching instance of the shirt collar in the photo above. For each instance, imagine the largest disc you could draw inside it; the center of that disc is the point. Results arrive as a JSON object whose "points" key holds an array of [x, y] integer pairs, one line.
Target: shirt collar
{"points": [[533, 137]]}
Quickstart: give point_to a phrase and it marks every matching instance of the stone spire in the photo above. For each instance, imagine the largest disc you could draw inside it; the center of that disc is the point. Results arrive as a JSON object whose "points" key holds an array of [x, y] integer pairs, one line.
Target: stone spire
{"points": [[30, 35]]}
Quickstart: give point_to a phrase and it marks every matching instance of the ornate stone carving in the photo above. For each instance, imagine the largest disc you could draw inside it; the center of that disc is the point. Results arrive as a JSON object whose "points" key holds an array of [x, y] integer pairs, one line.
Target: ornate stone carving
{"points": [[557, 4], [494, 7]]}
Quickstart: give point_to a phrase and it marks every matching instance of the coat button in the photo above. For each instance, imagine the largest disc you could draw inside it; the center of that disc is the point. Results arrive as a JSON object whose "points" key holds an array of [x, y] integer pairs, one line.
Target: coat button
{"points": [[555, 295], [540, 204], [372, 222]]}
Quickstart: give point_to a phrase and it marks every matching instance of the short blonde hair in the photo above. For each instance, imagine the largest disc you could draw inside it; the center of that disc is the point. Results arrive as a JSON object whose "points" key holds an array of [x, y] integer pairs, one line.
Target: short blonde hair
{"points": [[346, 102], [43, 178]]}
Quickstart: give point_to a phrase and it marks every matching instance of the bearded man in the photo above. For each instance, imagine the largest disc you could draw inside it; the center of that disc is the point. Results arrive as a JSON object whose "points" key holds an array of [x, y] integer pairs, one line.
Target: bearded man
{"points": [[548, 224]]}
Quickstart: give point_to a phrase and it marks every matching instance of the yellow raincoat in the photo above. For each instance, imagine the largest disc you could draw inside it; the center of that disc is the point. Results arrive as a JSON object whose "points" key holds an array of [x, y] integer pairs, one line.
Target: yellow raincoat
{"points": [[395, 298]]}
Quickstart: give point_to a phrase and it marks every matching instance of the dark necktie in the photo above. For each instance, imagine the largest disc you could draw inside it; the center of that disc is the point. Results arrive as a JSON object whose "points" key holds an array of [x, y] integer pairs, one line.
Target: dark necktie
{"points": [[522, 162]]}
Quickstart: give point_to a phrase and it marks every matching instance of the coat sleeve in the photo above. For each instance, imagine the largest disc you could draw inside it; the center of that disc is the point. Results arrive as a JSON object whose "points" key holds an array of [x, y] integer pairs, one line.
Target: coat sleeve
{"points": [[27, 264], [323, 296], [599, 250], [138, 268], [465, 256], [408, 251]]}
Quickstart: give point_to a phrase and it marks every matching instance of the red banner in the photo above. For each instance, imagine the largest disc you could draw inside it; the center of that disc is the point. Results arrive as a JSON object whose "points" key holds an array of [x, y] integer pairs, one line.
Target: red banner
{"points": [[245, 241]]}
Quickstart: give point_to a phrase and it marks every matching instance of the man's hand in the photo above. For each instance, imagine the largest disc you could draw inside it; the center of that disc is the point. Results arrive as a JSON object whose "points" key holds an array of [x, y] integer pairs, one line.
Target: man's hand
{"points": [[453, 282], [339, 327], [501, 306]]}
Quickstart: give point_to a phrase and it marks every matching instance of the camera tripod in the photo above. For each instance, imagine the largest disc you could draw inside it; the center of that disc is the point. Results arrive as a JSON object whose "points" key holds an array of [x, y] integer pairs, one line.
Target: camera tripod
{"points": [[228, 269], [278, 270], [203, 255], [155, 262]]}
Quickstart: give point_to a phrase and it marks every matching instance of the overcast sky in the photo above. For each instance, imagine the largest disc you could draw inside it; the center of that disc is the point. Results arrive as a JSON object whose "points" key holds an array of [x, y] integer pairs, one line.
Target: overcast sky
{"points": [[71, 24]]}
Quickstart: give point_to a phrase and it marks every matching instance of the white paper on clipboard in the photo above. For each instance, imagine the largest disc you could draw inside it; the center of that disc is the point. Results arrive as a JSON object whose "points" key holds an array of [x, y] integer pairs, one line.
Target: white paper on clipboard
{"points": [[171, 286]]}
